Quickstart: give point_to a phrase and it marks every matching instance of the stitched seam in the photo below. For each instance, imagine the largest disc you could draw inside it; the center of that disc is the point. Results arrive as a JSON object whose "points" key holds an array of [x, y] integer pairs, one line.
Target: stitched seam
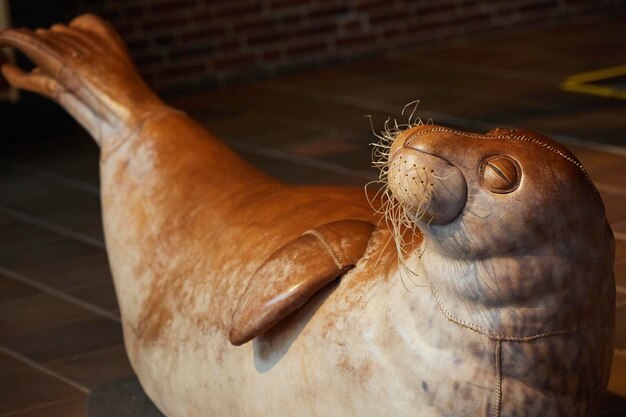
{"points": [[481, 330], [516, 137], [137, 129], [336, 258], [498, 395], [494, 336]]}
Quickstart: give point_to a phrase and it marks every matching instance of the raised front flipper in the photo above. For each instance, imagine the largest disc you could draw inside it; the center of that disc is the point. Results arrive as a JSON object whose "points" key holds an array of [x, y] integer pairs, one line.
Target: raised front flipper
{"points": [[296, 272]]}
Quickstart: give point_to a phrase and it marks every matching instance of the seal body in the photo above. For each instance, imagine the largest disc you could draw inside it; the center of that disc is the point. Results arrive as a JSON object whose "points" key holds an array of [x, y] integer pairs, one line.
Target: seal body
{"points": [[179, 276], [500, 305]]}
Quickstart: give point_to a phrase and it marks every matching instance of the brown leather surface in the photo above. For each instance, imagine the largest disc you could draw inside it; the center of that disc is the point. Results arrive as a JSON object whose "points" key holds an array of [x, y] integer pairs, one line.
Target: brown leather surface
{"points": [[295, 272]]}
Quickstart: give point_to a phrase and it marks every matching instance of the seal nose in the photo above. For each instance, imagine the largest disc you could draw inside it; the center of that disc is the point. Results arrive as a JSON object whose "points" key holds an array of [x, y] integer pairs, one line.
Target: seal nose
{"points": [[429, 188]]}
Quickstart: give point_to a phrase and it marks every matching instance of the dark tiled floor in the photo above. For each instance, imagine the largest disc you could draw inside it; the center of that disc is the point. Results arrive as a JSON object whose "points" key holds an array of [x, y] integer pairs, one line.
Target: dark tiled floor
{"points": [[59, 326]]}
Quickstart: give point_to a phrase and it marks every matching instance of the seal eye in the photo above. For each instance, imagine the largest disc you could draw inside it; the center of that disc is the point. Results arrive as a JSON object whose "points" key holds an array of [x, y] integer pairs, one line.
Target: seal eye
{"points": [[500, 174]]}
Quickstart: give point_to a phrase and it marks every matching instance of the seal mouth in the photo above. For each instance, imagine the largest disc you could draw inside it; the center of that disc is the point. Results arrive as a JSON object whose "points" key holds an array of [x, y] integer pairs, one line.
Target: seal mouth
{"points": [[428, 187]]}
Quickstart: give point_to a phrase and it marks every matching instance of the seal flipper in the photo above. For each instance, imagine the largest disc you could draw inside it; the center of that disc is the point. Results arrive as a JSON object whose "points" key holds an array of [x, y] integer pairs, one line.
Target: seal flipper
{"points": [[296, 272]]}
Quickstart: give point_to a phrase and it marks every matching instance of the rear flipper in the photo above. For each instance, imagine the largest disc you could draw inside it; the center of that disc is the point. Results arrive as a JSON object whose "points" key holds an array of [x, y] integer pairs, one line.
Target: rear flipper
{"points": [[296, 272], [85, 67]]}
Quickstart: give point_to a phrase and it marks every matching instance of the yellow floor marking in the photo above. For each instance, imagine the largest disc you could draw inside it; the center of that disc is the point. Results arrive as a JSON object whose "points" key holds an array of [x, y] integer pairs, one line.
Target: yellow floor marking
{"points": [[584, 82]]}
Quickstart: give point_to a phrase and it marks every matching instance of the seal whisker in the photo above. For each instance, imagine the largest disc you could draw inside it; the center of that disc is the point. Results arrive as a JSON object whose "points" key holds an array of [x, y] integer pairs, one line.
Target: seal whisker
{"points": [[369, 117], [401, 220], [416, 102]]}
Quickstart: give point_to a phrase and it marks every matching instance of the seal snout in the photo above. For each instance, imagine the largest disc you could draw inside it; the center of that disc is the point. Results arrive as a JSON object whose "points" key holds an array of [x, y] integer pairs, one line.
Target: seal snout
{"points": [[428, 187]]}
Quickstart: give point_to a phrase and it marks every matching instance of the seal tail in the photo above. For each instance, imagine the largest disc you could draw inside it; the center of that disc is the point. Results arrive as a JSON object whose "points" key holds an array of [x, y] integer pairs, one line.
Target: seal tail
{"points": [[85, 67]]}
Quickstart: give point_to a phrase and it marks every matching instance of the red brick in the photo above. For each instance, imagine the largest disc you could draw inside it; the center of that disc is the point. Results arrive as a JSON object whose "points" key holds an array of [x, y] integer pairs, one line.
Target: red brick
{"points": [[126, 30], [137, 44], [194, 51], [228, 45], [387, 16], [148, 60], [331, 10], [392, 33], [371, 4], [266, 38], [306, 48], [436, 8], [164, 24], [234, 61], [540, 5], [183, 69], [135, 11], [426, 27], [469, 19], [286, 4], [352, 24], [110, 14], [323, 28], [285, 32], [203, 34], [256, 23], [236, 9], [271, 55], [355, 40], [173, 5]]}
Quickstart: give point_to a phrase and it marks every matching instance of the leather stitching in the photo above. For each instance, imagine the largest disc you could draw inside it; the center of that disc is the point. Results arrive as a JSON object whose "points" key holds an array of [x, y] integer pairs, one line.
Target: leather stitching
{"points": [[137, 129], [494, 336], [498, 395], [336, 257], [509, 136]]}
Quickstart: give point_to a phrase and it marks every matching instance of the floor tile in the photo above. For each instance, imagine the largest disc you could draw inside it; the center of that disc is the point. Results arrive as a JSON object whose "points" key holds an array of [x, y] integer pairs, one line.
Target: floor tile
{"points": [[595, 161], [9, 364], [617, 383], [620, 273], [76, 210], [620, 250], [620, 297], [296, 172], [19, 235], [60, 341], [614, 175], [561, 52], [615, 205], [619, 227], [66, 408], [587, 124], [122, 398], [95, 368], [343, 148], [38, 313], [12, 290], [287, 106], [63, 264], [74, 156], [612, 406], [620, 329], [30, 388], [102, 295]]}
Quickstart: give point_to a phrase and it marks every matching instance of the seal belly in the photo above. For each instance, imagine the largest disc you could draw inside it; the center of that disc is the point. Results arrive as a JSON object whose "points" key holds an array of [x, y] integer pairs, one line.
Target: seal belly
{"points": [[385, 349]]}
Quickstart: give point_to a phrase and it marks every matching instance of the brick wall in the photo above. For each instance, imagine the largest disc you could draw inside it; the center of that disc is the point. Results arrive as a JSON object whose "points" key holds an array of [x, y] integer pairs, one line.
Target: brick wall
{"points": [[181, 44]]}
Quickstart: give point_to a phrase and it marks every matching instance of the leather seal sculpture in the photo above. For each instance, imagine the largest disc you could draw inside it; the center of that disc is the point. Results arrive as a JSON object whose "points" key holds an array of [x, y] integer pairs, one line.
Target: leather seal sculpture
{"points": [[499, 301]]}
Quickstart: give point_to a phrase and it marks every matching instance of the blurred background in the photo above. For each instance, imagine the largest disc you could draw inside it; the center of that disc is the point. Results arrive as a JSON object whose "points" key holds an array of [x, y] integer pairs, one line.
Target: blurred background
{"points": [[287, 84]]}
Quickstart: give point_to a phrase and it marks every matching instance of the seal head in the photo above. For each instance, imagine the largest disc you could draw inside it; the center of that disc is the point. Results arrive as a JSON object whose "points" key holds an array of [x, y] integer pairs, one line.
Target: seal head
{"points": [[516, 242]]}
